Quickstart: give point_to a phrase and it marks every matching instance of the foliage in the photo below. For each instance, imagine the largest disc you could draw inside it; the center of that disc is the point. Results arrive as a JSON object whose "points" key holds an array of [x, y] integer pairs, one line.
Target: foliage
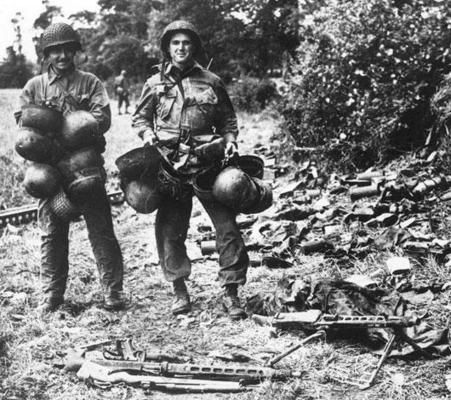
{"points": [[14, 70], [43, 21], [366, 74], [252, 94], [441, 103], [271, 33], [115, 38], [240, 37], [441, 106]]}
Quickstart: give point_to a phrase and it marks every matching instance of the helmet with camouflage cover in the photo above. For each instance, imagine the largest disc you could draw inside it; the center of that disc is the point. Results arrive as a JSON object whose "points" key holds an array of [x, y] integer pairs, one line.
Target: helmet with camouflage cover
{"points": [[184, 27], [57, 34]]}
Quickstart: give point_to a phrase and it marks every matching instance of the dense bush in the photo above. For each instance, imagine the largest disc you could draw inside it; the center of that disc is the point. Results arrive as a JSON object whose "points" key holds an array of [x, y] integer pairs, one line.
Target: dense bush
{"points": [[441, 106], [366, 72], [252, 94], [15, 70]]}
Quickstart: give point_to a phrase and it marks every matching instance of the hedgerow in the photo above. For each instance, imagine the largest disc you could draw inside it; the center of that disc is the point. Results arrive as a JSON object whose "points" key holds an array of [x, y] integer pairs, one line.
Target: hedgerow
{"points": [[364, 77]]}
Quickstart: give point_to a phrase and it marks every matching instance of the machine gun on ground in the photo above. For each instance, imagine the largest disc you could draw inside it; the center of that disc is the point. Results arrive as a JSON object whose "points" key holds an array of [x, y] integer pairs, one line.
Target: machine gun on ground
{"points": [[125, 364], [315, 320]]}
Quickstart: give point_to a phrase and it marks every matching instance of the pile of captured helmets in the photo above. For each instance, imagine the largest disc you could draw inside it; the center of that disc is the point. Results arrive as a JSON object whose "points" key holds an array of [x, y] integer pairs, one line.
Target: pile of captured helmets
{"points": [[62, 152]]}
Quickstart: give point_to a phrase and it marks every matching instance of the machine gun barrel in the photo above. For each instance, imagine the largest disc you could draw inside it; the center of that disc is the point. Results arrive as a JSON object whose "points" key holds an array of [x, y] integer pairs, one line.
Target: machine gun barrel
{"points": [[315, 319], [198, 371]]}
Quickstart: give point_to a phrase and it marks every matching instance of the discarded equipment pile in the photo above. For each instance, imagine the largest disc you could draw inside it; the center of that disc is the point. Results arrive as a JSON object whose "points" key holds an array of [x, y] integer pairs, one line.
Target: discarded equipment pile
{"points": [[306, 219]]}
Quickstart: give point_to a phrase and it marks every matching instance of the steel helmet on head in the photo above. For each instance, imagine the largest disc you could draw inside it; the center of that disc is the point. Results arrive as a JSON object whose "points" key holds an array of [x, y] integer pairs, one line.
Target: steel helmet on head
{"points": [[183, 27], [57, 34]]}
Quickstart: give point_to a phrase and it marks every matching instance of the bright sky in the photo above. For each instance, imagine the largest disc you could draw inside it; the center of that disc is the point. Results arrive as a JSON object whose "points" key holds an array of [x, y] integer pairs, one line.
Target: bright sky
{"points": [[30, 10]]}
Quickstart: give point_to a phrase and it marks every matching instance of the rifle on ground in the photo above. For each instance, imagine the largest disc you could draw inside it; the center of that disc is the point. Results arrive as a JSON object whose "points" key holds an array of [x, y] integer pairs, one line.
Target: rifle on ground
{"points": [[103, 376], [126, 364]]}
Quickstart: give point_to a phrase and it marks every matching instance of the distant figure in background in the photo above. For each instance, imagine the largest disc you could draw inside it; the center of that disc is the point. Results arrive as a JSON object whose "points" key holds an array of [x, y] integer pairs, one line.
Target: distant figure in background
{"points": [[122, 90]]}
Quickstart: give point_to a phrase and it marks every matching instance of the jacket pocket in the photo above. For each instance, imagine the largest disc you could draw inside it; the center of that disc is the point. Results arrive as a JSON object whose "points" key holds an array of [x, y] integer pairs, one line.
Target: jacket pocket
{"points": [[206, 96], [166, 103]]}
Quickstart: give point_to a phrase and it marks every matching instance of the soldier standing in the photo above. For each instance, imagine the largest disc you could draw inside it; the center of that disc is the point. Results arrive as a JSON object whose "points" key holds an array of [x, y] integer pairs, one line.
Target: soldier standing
{"points": [[183, 107], [68, 89], [122, 90]]}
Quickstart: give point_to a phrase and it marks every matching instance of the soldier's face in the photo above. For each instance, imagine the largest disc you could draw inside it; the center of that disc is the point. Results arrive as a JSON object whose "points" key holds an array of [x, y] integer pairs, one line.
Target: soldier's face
{"points": [[62, 57], [181, 49]]}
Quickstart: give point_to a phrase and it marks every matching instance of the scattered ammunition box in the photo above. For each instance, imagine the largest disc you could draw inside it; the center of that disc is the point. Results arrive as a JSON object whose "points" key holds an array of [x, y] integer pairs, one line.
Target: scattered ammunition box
{"points": [[314, 246], [371, 175], [398, 265], [362, 281], [364, 191], [208, 247]]}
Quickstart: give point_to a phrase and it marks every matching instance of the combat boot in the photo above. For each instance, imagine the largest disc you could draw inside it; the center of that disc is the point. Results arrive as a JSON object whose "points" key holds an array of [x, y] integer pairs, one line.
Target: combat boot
{"points": [[114, 301], [181, 304], [50, 304], [231, 303]]}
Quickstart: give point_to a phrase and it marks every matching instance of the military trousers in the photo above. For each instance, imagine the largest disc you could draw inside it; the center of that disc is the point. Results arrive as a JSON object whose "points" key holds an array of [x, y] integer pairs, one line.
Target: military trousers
{"points": [[96, 211], [171, 227]]}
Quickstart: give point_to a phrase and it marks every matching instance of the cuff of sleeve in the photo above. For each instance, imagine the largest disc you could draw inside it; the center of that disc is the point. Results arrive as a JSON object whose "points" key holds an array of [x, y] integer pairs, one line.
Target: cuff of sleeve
{"points": [[229, 137], [149, 134]]}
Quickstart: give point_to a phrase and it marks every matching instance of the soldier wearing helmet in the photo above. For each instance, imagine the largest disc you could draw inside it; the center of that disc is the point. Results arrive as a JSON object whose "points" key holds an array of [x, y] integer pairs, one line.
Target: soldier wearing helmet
{"points": [[186, 113], [121, 88], [67, 89]]}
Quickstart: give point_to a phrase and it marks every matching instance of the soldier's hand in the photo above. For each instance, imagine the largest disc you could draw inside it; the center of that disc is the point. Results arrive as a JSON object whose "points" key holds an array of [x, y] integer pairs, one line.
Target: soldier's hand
{"points": [[149, 138], [231, 150]]}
